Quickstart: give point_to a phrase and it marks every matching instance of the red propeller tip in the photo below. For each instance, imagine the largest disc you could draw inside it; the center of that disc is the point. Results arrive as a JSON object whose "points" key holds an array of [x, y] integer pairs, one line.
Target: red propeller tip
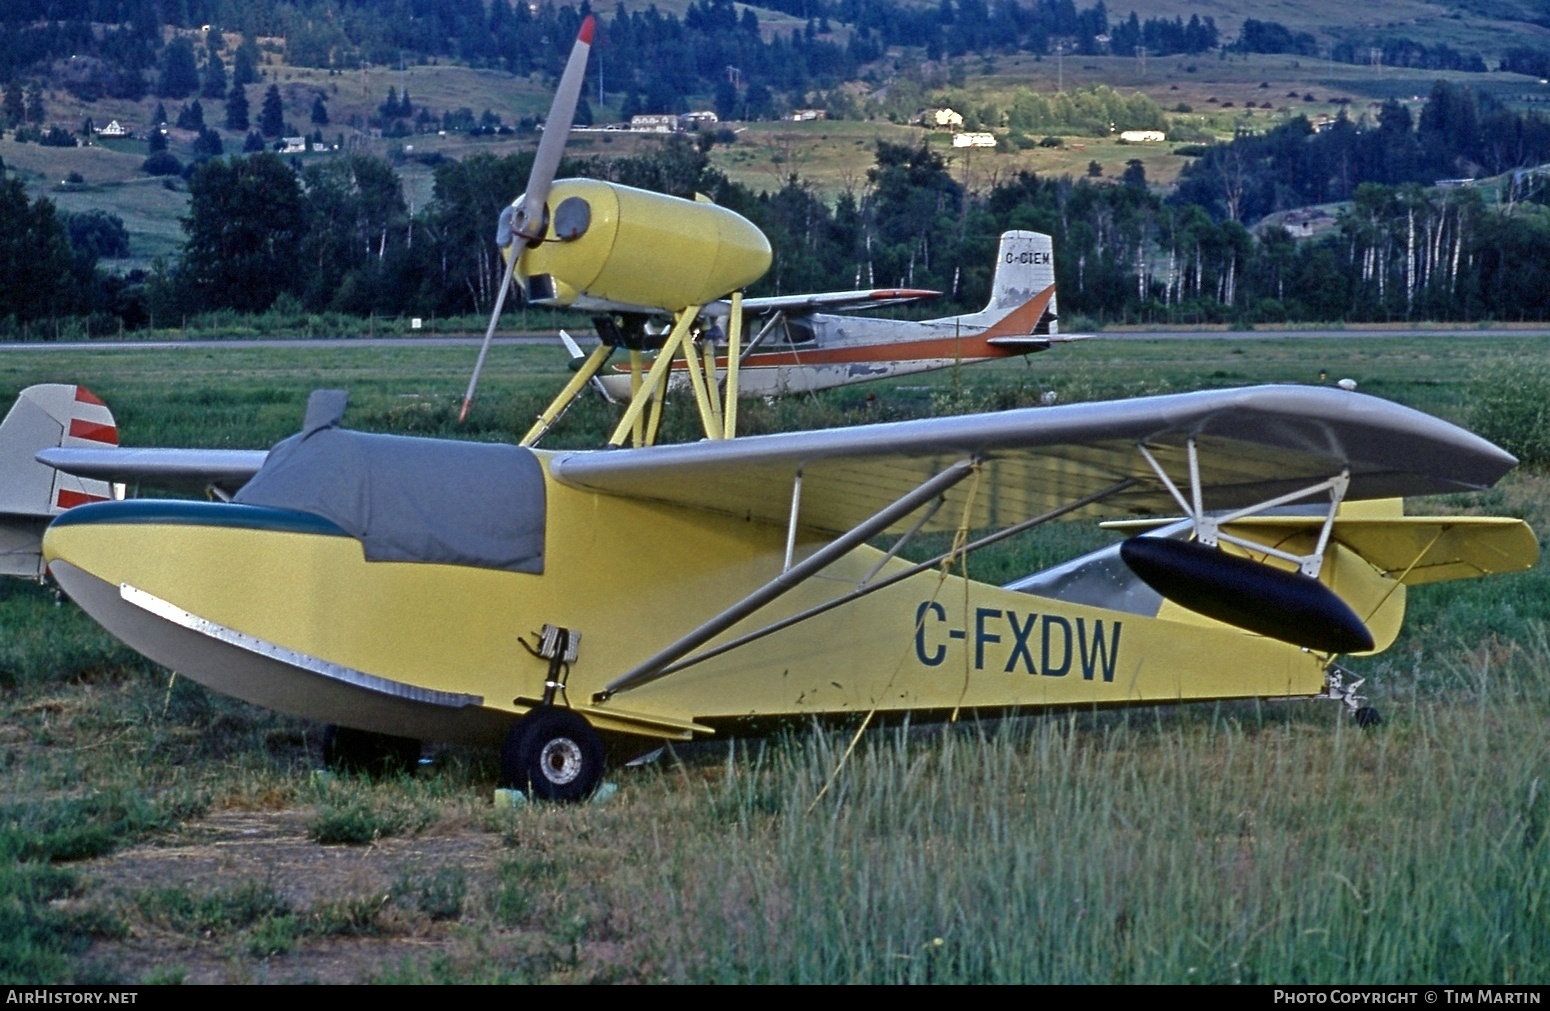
{"points": [[585, 35]]}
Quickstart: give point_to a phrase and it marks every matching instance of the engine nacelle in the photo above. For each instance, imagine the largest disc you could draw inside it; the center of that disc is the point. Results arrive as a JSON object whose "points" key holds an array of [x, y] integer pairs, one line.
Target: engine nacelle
{"points": [[612, 246]]}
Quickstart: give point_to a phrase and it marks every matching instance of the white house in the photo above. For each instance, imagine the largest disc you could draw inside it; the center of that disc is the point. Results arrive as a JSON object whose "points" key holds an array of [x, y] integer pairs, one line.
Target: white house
{"points": [[698, 120], [974, 140], [654, 124], [806, 115], [115, 129], [943, 119], [292, 145], [1143, 136]]}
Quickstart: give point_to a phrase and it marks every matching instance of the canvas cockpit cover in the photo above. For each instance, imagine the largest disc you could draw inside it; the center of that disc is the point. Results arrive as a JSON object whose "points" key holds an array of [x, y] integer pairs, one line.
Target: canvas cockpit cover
{"points": [[407, 499]]}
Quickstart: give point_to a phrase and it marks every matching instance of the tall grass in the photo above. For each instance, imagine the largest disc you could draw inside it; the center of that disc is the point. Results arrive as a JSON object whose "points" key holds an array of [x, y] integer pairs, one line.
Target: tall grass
{"points": [[1233, 844]]}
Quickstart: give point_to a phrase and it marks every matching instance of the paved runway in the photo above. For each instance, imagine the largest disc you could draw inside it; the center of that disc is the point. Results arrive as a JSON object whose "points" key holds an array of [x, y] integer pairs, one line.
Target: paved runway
{"points": [[277, 342], [1266, 335], [544, 339]]}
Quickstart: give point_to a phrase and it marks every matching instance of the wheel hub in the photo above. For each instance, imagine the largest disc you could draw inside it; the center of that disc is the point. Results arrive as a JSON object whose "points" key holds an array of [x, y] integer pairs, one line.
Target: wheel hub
{"points": [[560, 760]]}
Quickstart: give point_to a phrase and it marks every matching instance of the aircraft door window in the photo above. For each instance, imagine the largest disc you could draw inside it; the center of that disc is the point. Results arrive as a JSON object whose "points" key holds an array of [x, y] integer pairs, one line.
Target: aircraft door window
{"points": [[798, 330]]}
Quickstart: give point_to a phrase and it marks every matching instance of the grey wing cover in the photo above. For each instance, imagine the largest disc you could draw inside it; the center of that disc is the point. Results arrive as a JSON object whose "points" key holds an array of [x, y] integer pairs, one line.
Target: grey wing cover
{"points": [[1254, 443]]}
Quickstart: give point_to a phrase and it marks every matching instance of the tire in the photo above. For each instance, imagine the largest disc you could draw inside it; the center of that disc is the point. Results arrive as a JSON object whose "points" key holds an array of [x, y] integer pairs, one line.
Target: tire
{"points": [[346, 749], [552, 754], [1367, 717]]}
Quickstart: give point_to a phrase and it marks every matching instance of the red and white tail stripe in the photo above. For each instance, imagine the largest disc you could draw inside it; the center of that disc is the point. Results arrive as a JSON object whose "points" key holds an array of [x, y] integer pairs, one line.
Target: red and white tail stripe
{"points": [[45, 416]]}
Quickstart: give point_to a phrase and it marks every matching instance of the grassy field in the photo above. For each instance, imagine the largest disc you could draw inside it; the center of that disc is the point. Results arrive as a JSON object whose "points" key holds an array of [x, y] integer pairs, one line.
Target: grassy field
{"points": [[150, 830]]}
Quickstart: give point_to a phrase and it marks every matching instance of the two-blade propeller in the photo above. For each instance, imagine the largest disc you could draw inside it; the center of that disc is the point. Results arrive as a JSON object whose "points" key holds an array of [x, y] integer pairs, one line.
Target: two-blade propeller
{"points": [[522, 225]]}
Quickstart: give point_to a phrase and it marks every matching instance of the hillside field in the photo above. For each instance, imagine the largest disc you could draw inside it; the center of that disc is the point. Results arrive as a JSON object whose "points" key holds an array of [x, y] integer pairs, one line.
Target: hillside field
{"points": [[1206, 97]]}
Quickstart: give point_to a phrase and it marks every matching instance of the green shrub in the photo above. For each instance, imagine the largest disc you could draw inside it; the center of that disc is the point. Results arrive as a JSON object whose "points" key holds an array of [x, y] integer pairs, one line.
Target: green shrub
{"points": [[358, 916], [215, 912], [37, 937], [273, 935], [82, 827], [354, 823], [439, 896], [1511, 407]]}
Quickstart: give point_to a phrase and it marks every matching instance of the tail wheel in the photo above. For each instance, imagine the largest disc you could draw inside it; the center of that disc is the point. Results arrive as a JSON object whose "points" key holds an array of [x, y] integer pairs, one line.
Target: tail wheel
{"points": [[552, 754], [1367, 717], [349, 750]]}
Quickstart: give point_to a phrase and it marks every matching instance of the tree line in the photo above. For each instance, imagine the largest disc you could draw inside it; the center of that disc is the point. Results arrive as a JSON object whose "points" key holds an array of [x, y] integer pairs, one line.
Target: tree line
{"points": [[338, 237], [1458, 135], [653, 60]]}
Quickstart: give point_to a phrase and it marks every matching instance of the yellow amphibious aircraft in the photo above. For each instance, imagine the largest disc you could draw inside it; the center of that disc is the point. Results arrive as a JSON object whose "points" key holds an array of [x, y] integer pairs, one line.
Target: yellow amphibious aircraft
{"points": [[410, 589], [455, 591]]}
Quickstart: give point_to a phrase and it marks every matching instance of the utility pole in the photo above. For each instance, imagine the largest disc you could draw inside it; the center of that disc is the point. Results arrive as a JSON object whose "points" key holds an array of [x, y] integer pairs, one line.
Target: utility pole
{"points": [[1141, 58]]}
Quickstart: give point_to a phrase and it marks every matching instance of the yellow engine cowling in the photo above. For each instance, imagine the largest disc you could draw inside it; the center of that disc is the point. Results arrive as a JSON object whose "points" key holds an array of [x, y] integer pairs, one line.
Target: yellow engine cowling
{"points": [[631, 247]]}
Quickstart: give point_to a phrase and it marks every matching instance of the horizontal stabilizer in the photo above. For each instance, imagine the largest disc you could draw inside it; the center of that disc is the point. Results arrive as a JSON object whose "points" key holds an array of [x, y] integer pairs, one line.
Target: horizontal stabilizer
{"points": [[169, 468], [1034, 342], [1411, 549]]}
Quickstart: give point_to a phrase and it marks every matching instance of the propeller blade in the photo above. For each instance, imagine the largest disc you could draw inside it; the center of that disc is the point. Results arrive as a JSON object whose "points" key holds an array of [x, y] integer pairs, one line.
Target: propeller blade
{"points": [[526, 222], [489, 334], [529, 222]]}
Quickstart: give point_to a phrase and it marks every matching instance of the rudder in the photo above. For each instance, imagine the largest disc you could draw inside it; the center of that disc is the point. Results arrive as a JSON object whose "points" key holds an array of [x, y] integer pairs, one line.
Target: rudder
{"points": [[1025, 269], [43, 417]]}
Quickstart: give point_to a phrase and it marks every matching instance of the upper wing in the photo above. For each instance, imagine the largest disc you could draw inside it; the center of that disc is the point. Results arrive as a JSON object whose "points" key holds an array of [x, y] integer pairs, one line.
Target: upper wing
{"points": [[1254, 443], [873, 298], [170, 468]]}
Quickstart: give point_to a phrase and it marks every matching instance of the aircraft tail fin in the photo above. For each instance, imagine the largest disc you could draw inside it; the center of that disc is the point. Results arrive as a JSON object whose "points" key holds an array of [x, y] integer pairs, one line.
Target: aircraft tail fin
{"points": [[32, 493], [43, 417], [1023, 286]]}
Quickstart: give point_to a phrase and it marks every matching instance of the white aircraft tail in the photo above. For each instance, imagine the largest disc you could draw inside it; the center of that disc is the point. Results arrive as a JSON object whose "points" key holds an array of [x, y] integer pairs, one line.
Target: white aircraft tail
{"points": [[1025, 271], [32, 493], [44, 417]]}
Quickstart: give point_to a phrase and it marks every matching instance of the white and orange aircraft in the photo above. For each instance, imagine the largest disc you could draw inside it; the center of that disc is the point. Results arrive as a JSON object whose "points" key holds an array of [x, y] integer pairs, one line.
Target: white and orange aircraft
{"points": [[802, 344]]}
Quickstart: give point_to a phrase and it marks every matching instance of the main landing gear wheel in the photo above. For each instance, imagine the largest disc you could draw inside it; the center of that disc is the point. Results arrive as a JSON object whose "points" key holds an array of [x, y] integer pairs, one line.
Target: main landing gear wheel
{"points": [[1367, 716], [552, 754], [349, 750]]}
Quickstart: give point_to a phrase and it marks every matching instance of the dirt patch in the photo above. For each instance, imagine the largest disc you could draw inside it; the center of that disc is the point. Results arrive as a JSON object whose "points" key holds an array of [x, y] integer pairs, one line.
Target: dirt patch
{"points": [[381, 885]]}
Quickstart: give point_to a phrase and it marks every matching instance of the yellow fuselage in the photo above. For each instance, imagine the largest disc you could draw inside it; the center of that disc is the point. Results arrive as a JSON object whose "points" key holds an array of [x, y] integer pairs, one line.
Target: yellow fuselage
{"points": [[632, 576]]}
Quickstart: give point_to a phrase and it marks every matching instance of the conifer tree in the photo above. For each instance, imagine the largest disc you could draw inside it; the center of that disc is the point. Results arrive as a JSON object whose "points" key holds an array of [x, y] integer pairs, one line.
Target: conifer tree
{"points": [[245, 68], [271, 120], [15, 107], [179, 72], [215, 83], [237, 108], [35, 113]]}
